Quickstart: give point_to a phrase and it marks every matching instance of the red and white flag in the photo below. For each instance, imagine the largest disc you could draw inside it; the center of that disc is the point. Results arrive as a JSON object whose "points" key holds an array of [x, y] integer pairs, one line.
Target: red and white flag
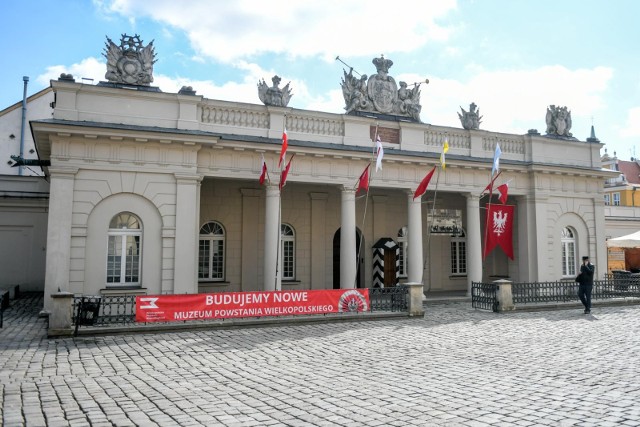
{"points": [[379, 154], [423, 185], [499, 230], [503, 191], [363, 181], [285, 144], [263, 174], [285, 172]]}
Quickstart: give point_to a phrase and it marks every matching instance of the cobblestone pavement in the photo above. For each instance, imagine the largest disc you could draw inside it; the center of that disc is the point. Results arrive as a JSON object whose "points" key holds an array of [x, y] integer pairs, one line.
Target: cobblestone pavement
{"points": [[455, 367]]}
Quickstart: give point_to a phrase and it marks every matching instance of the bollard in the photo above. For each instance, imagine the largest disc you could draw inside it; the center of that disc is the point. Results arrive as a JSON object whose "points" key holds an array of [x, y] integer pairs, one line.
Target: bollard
{"points": [[415, 299], [61, 315], [504, 295]]}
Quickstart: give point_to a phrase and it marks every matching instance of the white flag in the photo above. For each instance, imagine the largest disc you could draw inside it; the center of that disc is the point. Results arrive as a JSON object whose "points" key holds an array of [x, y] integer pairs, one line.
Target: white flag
{"points": [[380, 153]]}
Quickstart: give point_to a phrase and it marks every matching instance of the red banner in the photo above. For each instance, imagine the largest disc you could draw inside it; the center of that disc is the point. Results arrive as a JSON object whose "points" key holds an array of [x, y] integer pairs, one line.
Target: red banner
{"points": [[225, 305], [499, 229]]}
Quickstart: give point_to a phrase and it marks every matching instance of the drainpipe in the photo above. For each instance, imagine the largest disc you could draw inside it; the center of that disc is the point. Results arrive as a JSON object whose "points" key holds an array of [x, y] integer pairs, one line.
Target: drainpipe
{"points": [[25, 79]]}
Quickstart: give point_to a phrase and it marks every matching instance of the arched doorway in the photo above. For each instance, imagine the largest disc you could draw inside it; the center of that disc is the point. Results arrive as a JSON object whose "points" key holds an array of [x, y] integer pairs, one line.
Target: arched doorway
{"points": [[336, 259]]}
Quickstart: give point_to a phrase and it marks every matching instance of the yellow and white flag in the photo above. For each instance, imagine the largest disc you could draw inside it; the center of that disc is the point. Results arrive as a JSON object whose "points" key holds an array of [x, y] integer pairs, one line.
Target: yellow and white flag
{"points": [[445, 148]]}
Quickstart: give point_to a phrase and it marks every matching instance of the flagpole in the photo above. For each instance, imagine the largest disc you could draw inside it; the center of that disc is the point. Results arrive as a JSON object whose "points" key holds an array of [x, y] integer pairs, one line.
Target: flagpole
{"points": [[366, 204], [282, 163]]}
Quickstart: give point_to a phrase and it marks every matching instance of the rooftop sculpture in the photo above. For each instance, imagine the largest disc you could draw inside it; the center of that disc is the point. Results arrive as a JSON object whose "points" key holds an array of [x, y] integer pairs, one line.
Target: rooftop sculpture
{"points": [[380, 93], [470, 119], [558, 121], [131, 62], [274, 95]]}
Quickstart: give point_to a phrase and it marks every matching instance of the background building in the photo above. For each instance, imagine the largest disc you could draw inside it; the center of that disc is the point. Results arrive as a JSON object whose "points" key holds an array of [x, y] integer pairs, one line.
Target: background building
{"points": [[24, 197]]}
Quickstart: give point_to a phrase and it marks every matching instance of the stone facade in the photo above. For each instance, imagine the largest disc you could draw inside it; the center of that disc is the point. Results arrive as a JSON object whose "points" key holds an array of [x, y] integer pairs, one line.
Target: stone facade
{"points": [[180, 161]]}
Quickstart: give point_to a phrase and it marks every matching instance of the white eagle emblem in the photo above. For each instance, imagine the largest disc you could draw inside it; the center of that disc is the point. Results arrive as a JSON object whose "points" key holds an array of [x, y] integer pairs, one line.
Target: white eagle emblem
{"points": [[499, 222]]}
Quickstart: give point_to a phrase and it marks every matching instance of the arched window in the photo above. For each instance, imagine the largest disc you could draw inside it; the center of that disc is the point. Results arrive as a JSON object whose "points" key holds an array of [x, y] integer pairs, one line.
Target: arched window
{"points": [[288, 242], [211, 252], [402, 258], [459, 253], [568, 242], [123, 251]]}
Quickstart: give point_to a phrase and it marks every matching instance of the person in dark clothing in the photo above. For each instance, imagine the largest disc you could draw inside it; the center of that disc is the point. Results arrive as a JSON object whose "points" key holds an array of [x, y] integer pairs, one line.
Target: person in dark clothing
{"points": [[585, 279]]}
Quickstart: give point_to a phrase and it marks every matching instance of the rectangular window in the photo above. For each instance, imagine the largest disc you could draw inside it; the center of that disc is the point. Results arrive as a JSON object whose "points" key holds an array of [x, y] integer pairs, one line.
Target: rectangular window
{"points": [[616, 199], [203, 259], [123, 259], [288, 267], [211, 259], [114, 259], [458, 257], [402, 264], [568, 259], [607, 199]]}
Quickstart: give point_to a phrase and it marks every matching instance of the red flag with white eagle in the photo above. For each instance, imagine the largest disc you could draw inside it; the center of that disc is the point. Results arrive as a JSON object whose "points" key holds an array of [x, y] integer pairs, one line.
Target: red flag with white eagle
{"points": [[499, 229]]}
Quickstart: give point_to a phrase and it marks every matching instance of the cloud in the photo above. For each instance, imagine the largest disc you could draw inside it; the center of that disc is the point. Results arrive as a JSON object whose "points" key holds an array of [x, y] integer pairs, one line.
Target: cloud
{"points": [[632, 126], [88, 68], [516, 100], [232, 30]]}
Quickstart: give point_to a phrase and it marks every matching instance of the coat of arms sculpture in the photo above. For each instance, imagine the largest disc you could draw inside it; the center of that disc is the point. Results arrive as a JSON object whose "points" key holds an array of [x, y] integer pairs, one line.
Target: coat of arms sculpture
{"points": [[131, 62], [558, 121], [380, 93]]}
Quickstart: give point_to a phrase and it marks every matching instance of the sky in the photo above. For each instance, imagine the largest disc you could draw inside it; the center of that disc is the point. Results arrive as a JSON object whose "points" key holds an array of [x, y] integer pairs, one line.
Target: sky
{"points": [[512, 58]]}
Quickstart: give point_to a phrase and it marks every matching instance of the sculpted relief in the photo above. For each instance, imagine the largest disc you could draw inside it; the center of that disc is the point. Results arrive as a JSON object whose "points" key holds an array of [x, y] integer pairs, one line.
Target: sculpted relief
{"points": [[380, 92]]}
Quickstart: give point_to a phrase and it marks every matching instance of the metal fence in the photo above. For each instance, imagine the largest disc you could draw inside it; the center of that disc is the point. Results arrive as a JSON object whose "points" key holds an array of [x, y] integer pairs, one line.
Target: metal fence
{"points": [[483, 295], [389, 299], [120, 310]]}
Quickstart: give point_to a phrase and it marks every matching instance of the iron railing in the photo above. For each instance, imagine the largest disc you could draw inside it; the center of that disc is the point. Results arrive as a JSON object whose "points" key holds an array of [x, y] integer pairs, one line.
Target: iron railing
{"points": [[111, 310], [483, 296], [394, 298], [120, 310]]}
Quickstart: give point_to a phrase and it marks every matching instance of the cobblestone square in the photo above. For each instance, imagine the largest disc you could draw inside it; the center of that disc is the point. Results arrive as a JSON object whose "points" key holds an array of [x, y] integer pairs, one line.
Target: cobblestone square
{"points": [[455, 367]]}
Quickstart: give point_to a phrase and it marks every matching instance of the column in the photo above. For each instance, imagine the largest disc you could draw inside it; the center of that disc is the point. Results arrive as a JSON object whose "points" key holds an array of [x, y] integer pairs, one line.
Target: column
{"points": [[527, 254], [250, 229], [271, 238], [599, 237], [58, 233], [348, 239], [415, 262], [474, 241], [185, 279], [318, 240]]}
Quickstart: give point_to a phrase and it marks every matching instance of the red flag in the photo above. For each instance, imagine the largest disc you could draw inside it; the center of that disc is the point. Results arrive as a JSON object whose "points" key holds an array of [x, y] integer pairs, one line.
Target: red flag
{"points": [[363, 182], [423, 185], [285, 172], [264, 171], [499, 230], [285, 144], [503, 190], [489, 186]]}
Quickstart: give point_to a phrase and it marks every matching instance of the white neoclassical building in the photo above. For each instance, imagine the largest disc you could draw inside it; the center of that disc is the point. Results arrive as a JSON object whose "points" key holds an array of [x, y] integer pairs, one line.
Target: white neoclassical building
{"points": [[157, 193]]}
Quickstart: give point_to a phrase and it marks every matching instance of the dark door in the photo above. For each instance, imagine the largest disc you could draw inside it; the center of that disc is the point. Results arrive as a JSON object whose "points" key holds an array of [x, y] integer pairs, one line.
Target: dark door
{"points": [[336, 259], [389, 268]]}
